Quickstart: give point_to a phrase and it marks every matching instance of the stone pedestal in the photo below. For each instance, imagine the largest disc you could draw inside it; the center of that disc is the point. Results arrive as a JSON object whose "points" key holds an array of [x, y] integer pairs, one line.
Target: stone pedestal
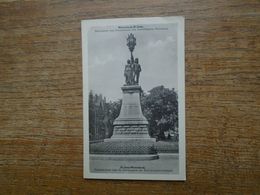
{"points": [[131, 123]]}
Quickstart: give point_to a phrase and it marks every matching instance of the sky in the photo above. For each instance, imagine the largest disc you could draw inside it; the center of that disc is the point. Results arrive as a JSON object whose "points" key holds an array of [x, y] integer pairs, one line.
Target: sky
{"points": [[156, 49]]}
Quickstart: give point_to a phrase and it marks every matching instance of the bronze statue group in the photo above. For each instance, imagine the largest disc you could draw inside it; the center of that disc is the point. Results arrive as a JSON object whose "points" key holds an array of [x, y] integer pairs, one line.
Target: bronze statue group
{"points": [[132, 72]]}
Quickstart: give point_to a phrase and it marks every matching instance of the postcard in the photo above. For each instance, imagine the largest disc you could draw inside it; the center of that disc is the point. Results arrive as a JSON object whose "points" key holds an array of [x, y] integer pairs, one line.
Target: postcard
{"points": [[134, 98]]}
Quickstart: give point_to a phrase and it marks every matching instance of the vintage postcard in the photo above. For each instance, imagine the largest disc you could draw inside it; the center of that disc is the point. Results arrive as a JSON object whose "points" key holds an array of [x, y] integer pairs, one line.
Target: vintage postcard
{"points": [[134, 98]]}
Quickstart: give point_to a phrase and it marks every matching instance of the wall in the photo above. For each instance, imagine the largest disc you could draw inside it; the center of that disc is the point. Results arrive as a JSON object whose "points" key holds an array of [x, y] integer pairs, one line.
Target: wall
{"points": [[41, 96]]}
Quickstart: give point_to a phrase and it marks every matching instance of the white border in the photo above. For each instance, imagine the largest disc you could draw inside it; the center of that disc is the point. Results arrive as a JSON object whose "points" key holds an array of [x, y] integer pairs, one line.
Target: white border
{"points": [[85, 27]]}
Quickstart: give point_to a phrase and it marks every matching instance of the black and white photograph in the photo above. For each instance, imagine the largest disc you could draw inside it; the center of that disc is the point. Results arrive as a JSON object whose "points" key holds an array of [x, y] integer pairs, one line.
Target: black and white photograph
{"points": [[134, 98]]}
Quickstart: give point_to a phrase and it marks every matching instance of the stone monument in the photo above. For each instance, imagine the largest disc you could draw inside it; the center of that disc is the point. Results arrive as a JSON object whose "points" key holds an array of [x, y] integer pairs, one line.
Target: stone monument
{"points": [[130, 128], [131, 122]]}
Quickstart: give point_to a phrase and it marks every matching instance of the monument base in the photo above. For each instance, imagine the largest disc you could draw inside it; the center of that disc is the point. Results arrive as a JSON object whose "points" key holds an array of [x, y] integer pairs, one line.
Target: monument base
{"points": [[125, 157], [127, 139], [125, 149]]}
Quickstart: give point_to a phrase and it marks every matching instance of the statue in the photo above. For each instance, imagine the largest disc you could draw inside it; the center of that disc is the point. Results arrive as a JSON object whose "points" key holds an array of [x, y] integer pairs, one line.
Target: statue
{"points": [[133, 68], [128, 73], [137, 70]]}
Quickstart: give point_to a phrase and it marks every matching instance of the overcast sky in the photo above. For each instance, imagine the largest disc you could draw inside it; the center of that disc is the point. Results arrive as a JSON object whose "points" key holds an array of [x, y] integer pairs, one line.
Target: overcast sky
{"points": [[108, 53]]}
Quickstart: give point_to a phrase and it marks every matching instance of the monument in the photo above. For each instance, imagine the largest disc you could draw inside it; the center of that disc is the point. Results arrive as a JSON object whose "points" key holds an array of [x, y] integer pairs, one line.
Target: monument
{"points": [[130, 139], [131, 123]]}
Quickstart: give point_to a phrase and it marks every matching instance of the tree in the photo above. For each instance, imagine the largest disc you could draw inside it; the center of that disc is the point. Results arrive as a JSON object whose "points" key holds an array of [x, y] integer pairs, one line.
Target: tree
{"points": [[160, 107], [113, 110], [91, 115], [101, 116]]}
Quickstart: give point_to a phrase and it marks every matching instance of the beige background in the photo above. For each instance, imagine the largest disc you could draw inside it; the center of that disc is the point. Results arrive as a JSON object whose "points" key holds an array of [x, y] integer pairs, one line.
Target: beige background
{"points": [[41, 96]]}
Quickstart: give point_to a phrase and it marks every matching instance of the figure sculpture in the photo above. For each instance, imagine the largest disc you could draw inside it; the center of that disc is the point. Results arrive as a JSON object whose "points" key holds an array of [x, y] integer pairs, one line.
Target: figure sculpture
{"points": [[137, 70], [128, 73], [132, 68]]}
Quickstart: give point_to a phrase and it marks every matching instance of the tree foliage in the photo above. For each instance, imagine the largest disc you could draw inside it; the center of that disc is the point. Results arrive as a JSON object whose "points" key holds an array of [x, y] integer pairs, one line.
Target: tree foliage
{"points": [[101, 116], [160, 107]]}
